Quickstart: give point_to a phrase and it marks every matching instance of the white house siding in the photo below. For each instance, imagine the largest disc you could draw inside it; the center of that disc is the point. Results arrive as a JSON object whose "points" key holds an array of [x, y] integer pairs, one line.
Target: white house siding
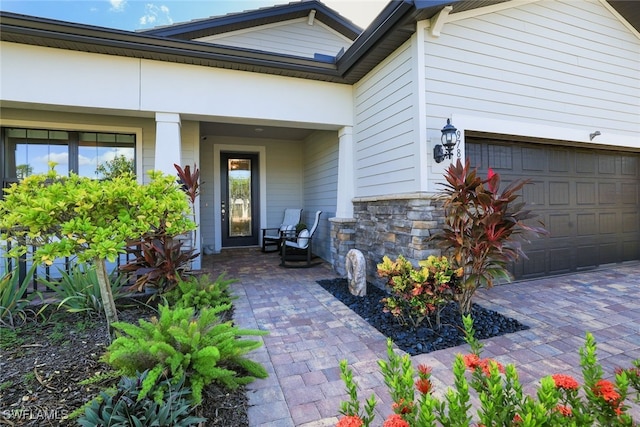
{"points": [[284, 179], [320, 164], [129, 86], [201, 92], [384, 137], [295, 37], [207, 206], [63, 77], [569, 65]]}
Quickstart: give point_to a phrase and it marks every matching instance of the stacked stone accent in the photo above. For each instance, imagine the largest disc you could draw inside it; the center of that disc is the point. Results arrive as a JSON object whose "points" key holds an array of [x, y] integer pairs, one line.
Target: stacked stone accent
{"points": [[342, 234], [390, 225]]}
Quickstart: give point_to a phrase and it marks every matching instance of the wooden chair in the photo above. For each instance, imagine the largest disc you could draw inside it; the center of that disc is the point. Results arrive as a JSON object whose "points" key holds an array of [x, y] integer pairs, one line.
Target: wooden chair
{"points": [[298, 249], [271, 237]]}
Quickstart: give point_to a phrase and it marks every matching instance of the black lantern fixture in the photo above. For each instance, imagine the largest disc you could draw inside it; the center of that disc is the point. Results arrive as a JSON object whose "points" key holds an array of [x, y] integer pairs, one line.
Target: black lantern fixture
{"points": [[450, 138]]}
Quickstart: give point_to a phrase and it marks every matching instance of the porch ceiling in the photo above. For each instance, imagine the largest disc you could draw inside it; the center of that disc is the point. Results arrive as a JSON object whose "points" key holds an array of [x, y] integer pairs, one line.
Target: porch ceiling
{"points": [[212, 129]]}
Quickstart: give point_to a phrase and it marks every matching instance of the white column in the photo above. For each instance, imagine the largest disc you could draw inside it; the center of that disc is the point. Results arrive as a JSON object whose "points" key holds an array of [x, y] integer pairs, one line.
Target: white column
{"points": [[168, 143], [346, 175]]}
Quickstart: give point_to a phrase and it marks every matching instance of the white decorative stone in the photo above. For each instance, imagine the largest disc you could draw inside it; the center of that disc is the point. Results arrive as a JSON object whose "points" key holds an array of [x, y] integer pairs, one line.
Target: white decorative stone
{"points": [[356, 267]]}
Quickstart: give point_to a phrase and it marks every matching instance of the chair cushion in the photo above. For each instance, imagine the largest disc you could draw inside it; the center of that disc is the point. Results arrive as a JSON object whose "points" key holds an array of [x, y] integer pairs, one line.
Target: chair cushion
{"points": [[303, 238]]}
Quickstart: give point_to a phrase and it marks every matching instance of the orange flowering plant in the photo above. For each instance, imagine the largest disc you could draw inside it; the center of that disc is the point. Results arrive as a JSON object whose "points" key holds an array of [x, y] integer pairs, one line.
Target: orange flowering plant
{"points": [[560, 399]]}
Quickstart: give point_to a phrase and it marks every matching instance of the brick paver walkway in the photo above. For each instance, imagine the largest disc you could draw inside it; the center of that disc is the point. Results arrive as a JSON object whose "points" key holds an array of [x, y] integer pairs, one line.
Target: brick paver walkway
{"points": [[311, 331]]}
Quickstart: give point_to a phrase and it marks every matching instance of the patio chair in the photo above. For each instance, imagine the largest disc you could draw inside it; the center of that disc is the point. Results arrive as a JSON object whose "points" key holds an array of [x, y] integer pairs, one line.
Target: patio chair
{"points": [[295, 250], [271, 237]]}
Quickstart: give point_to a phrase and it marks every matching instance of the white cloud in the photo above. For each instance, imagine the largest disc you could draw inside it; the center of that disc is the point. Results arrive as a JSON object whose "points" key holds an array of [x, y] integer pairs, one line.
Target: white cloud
{"points": [[105, 156], [117, 5], [361, 12], [40, 161], [156, 15]]}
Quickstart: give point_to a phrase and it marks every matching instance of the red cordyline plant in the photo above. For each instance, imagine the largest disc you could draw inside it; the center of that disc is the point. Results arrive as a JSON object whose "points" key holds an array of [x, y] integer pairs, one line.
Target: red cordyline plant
{"points": [[483, 228], [560, 399], [159, 262], [190, 183]]}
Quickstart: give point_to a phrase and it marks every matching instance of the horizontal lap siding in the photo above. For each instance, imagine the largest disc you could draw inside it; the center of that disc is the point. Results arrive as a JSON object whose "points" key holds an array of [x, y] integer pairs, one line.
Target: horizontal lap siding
{"points": [[290, 38], [385, 145], [561, 63], [320, 155], [284, 179]]}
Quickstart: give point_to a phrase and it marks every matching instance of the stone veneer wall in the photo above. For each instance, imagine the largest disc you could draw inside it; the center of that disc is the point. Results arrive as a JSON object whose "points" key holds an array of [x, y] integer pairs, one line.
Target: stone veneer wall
{"points": [[391, 225]]}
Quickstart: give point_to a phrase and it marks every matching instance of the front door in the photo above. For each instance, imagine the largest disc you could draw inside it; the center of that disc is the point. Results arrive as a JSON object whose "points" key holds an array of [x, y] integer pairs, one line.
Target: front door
{"points": [[240, 204]]}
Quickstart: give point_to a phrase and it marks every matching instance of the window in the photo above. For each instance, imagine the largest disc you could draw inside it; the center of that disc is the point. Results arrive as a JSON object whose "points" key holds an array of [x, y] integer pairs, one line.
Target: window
{"points": [[24, 152]]}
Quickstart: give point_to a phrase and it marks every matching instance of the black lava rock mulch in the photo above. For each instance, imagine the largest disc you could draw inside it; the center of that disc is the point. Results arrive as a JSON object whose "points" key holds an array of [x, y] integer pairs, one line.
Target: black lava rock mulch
{"points": [[423, 339]]}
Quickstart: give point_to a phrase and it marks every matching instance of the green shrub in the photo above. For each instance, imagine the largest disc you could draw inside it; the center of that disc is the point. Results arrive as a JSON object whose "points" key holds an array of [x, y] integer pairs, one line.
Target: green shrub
{"points": [[418, 293], [13, 303], [79, 291], [180, 343], [559, 401], [200, 292], [125, 406]]}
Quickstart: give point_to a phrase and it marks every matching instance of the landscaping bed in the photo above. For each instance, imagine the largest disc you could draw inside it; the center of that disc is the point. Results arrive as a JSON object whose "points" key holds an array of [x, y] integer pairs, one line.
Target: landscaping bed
{"points": [[43, 362], [425, 338]]}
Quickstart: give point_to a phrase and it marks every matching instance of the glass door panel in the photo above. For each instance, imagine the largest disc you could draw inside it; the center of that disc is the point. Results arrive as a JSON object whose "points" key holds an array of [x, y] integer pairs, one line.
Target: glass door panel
{"points": [[239, 184], [239, 178]]}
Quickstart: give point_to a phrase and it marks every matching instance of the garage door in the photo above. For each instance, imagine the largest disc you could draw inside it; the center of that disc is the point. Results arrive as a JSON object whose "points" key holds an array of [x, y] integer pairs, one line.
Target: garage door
{"points": [[588, 199]]}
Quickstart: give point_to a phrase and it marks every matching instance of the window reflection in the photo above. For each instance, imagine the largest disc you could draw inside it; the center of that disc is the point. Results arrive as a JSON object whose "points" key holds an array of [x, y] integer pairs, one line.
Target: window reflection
{"points": [[90, 154], [239, 178]]}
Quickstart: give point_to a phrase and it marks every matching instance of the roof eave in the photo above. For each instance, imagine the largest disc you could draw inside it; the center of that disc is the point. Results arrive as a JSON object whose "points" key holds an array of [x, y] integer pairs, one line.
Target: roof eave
{"points": [[97, 40], [249, 19]]}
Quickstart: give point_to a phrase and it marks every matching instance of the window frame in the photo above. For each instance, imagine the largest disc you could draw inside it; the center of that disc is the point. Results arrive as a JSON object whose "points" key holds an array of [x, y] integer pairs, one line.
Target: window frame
{"points": [[73, 144]]}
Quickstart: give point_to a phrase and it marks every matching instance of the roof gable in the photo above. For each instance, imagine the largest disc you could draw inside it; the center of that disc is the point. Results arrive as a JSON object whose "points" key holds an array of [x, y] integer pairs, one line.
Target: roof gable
{"points": [[305, 37], [198, 29]]}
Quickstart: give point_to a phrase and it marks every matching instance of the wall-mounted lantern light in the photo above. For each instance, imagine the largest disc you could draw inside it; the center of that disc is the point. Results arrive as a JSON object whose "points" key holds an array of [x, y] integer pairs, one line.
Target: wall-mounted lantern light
{"points": [[450, 138]]}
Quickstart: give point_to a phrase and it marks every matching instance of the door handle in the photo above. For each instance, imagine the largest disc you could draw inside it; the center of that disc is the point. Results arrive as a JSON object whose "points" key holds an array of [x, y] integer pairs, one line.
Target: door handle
{"points": [[223, 210]]}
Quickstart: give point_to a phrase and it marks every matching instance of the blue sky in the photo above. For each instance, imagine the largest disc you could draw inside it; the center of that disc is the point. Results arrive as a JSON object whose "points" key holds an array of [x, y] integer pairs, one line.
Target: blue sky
{"points": [[143, 14]]}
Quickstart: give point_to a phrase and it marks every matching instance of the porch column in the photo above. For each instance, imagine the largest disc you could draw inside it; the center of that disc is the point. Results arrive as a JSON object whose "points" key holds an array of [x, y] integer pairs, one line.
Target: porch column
{"points": [[346, 176], [168, 144], [342, 231]]}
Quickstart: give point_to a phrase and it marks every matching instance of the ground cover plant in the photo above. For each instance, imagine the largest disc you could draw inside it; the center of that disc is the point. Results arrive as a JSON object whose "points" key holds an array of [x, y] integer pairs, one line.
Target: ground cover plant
{"points": [[560, 400], [54, 364], [176, 360]]}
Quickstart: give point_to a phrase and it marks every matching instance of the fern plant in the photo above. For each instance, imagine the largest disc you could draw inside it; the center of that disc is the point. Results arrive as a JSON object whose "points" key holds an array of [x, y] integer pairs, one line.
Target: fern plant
{"points": [[180, 343], [124, 406], [200, 292]]}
